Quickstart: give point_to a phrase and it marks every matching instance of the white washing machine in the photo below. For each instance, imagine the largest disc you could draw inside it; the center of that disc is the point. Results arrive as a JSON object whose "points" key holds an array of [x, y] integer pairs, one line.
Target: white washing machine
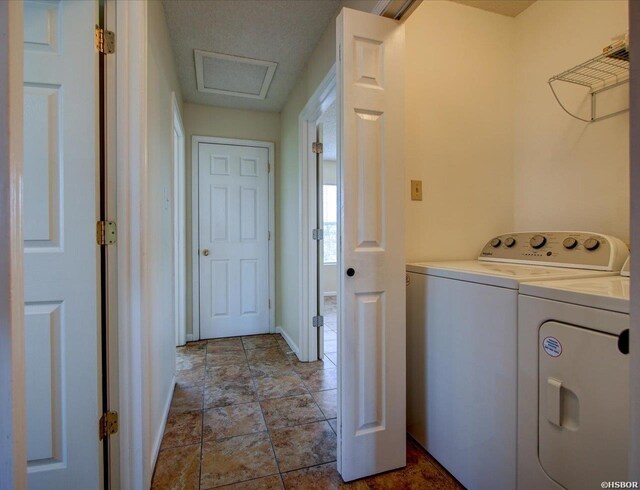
{"points": [[462, 345], [573, 383]]}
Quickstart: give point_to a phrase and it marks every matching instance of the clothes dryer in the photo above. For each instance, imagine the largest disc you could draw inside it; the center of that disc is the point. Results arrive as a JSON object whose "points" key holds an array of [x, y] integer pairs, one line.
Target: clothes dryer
{"points": [[573, 383]]}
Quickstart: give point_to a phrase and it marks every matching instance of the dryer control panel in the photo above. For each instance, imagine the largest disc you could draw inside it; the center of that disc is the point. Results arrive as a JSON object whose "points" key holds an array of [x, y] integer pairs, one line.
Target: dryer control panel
{"points": [[574, 249]]}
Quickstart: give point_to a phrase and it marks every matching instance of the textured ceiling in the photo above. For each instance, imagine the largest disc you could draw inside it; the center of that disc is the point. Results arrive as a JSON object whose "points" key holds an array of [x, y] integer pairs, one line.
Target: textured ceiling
{"points": [[284, 31], [505, 7], [329, 132]]}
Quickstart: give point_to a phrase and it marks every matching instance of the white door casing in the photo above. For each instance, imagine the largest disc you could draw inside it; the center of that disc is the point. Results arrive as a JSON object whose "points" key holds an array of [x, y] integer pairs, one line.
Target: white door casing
{"points": [[61, 255], [372, 336], [179, 225], [233, 240]]}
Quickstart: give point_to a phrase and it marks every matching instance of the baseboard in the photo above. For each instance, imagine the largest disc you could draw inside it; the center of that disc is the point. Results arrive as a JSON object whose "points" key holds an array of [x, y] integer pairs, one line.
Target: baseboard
{"points": [[158, 439], [291, 343], [190, 337]]}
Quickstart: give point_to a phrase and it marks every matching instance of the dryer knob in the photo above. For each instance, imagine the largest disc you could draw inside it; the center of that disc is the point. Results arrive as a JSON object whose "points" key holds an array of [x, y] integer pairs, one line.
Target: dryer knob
{"points": [[570, 243], [591, 243], [510, 242], [495, 243], [537, 241]]}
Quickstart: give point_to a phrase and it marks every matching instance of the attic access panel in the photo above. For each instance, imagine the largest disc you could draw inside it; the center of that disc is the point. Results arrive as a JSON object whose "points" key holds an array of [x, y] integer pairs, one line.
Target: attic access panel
{"points": [[224, 74]]}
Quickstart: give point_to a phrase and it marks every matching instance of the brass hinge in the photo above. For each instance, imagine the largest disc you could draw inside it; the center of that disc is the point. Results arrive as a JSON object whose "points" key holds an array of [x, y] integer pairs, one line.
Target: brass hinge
{"points": [[105, 41], [316, 147], [108, 424], [106, 232]]}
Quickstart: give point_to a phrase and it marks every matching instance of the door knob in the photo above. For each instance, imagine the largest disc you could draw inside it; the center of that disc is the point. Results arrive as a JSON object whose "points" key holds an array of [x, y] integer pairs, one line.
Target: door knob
{"points": [[351, 272], [205, 252]]}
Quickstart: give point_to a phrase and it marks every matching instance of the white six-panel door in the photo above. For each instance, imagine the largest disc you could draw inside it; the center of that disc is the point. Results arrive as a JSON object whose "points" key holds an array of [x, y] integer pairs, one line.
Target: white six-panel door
{"points": [[372, 334], [61, 267], [233, 190]]}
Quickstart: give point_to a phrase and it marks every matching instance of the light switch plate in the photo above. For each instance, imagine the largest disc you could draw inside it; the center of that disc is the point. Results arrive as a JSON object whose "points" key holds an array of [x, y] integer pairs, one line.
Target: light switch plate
{"points": [[416, 190]]}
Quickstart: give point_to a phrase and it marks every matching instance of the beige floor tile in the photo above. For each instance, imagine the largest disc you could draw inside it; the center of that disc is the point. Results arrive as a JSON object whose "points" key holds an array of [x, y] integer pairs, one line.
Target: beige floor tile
{"points": [[234, 420], [229, 393], [259, 342], [334, 424], [217, 346], [237, 459], [191, 377], [325, 379], [304, 445], [273, 482], [182, 429], [308, 367], [271, 354], [323, 477], [190, 361], [186, 399], [290, 411], [226, 358], [177, 468], [328, 402], [279, 386], [224, 374]]}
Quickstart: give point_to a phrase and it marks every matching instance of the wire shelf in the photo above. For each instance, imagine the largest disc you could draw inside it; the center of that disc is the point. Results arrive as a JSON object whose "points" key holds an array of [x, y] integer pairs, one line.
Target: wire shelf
{"points": [[601, 73]]}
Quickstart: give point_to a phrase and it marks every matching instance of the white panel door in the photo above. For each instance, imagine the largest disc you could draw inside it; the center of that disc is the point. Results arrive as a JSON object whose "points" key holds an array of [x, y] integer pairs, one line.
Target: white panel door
{"points": [[372, 335], [233, 240], [61, 266]]}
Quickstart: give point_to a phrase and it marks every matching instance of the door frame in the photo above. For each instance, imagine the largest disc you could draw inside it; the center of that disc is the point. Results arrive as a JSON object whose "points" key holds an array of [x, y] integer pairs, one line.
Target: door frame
{"points": [[195, 225], [179, 225], [317, 104], [13, 450]]}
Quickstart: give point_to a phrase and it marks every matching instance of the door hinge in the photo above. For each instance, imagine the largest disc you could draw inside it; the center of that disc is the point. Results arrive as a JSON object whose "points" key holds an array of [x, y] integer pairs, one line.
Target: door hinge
{"points": [[268, 168], [106, 232], [316, 147], [268, 235], [269, 304], [105, 41], [108, 424], [317, 234], [318, 321]]}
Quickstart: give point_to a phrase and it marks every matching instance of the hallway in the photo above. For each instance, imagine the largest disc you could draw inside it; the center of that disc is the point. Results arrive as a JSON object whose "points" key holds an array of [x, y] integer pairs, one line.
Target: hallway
{"points": [[247, 414]]}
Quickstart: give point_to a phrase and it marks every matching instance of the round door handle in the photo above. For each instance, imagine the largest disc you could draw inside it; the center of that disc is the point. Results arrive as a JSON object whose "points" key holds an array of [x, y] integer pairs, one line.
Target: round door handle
{"points": [[351, 272], [205, 252]]}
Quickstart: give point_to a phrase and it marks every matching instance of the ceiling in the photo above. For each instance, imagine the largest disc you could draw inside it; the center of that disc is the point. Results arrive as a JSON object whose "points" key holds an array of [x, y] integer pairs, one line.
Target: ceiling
{"points": [[505, 7], [281, 31]]}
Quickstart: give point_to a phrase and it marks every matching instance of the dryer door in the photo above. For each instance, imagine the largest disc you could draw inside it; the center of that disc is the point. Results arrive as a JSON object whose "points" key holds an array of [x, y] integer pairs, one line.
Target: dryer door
{"points": [[583, 406]]}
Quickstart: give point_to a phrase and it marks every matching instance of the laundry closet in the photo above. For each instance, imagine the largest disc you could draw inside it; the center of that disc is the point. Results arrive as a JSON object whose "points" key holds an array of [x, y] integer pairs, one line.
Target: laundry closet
{"points": [[515, 163]]}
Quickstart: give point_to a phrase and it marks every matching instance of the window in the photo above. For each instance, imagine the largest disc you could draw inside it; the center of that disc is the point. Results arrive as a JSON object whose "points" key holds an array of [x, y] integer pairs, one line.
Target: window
{"points": [[330, 223]]}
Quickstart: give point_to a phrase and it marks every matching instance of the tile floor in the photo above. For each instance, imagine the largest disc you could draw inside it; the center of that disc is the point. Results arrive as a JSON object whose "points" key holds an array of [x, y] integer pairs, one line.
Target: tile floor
{"points": [[331, 329], [247, 414]]}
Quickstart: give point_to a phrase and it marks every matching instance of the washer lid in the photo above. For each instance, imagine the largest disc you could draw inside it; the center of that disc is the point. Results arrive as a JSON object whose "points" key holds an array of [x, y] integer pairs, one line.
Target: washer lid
{"points": [[497, 274], [606, 293]]}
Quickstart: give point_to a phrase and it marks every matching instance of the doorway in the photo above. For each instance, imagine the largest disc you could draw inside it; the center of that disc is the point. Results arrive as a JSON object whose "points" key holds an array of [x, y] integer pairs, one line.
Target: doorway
{"points": [[327, 207], [233, 222]]}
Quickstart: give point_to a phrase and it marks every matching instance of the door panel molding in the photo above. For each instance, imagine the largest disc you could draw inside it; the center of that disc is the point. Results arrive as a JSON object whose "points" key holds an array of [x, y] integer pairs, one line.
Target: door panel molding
{"points": [[220, 166]]}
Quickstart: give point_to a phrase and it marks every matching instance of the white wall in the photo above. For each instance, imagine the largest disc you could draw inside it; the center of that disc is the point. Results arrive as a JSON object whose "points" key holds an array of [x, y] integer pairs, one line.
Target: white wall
{"points": [[162, 80], [568, 174], [329, 271], [203, 120], [459, 129]]}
